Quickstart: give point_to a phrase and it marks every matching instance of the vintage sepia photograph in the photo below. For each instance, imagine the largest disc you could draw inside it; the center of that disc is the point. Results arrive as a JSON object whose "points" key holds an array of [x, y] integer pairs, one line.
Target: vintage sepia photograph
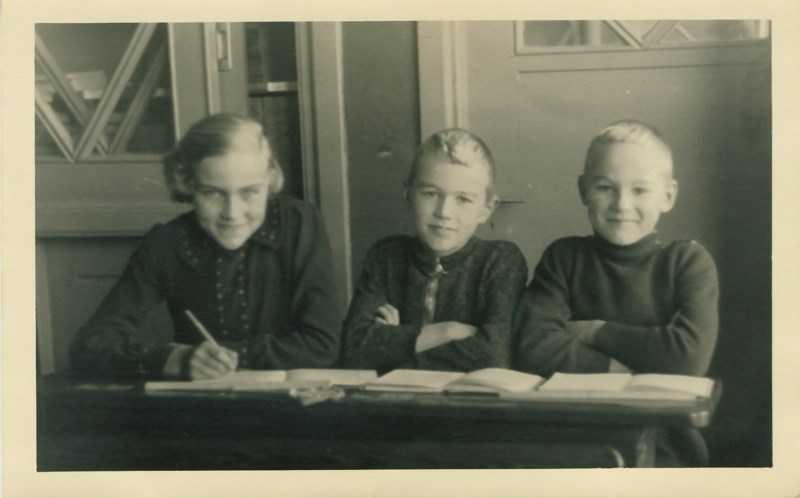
{"points": [[372, 246]]}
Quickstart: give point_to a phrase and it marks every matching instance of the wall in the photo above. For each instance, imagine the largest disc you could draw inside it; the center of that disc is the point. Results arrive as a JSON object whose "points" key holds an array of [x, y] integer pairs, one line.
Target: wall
{"points": [[382, 122]]}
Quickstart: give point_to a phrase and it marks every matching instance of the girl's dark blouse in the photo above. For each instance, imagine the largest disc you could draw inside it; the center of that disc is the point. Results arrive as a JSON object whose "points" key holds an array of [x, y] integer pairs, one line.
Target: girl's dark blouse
{"points": [[273, 301]]}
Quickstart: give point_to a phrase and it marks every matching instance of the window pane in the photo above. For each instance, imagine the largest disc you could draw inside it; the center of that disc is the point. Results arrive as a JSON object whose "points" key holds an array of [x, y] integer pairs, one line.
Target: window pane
{"points": [[570, 34], [688, 32], [75, 65]]}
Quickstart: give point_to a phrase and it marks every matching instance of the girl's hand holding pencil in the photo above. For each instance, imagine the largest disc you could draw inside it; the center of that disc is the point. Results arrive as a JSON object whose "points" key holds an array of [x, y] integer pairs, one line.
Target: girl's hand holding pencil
{"points": [[209, 360]]}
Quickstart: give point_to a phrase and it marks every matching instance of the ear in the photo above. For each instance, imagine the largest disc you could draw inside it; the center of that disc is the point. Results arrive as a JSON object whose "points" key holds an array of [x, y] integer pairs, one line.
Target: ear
{"points": [[488, 208], [670, 195], [582, 188]]}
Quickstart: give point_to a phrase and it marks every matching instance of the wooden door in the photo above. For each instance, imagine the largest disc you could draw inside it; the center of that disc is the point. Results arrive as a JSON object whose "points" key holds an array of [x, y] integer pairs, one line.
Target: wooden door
{"points": [[538, 105]]}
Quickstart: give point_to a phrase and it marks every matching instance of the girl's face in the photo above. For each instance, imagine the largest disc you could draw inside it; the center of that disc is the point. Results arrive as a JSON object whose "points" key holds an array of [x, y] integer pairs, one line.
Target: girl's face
{"points": [[230, 196]]}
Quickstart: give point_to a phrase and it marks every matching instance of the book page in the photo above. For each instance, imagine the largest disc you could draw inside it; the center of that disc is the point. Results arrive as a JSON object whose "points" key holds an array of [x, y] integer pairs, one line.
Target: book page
{"points": [[699, 386], [496, 378], [231, 381], [338, 377], [586, 382], [401, 379]]}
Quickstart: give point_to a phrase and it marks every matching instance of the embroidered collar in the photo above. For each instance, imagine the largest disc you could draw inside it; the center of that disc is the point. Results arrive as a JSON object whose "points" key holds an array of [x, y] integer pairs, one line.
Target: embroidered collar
{"points": [[426, 261], [195, 245]]}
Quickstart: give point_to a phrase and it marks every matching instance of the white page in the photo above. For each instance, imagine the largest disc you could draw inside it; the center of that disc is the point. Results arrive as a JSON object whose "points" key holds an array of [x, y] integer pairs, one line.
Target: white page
{"points": [[429, 379], [226, 382], [499, 378], [339, 377], [699, 386], [586, 382]]}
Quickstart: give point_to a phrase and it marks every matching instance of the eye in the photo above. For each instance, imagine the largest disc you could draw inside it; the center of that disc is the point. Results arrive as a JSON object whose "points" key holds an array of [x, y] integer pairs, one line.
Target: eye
{"points": [[428, 193], [209, 194], [602, 187], [464, 199], [249, 193], [640, 190]]}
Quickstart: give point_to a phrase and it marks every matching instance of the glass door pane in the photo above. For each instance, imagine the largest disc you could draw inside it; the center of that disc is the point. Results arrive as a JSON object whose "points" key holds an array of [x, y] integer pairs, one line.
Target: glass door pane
{"points": [[102, 90]]}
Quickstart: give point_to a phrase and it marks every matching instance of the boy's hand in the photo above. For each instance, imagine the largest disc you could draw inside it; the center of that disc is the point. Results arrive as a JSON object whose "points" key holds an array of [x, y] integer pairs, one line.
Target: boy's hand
{"points": [[387, 315], [457, 330], [436, 334], [584, 329], [209, 361]]}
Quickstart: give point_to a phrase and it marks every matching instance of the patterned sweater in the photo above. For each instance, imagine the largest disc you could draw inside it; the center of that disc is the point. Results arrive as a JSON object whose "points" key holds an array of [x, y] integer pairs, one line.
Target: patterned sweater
{"points": [[272, 301], [659, 303], [478, 285]]}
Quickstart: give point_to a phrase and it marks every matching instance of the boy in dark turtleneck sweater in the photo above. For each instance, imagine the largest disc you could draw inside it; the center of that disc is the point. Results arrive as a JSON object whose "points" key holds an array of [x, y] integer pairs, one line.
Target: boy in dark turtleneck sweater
{"points": [[620, 300], [444, 299]]}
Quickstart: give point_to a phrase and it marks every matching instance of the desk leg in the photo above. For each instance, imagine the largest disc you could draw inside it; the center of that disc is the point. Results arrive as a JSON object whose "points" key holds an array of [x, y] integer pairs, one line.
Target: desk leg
{"points": [[646, 447]]}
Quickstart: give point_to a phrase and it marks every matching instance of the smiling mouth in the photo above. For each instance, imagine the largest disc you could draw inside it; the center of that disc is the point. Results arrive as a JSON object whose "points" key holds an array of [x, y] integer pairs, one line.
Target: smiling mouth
{"points": [[437, 228]]}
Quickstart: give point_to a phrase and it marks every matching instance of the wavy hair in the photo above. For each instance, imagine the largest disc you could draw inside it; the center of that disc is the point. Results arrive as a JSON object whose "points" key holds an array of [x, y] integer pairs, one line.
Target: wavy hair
{"points": [[212, 136]]}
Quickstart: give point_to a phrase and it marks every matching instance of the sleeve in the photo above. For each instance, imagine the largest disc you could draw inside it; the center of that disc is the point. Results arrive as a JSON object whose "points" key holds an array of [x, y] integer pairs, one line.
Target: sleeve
{"points": [[111, 345], [686, 344], [314, 337], [503, 281], [542, 343], [368, 344]]}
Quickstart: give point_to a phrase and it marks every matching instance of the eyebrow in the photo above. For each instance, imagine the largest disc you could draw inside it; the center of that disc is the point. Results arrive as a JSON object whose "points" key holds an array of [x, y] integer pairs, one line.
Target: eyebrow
{"points": [[461, 192], [214, 187], [644, 179]]}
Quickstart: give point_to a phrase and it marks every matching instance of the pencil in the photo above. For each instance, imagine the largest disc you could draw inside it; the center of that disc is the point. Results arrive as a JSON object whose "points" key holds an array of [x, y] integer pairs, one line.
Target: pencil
{"points": [[200, 328]]}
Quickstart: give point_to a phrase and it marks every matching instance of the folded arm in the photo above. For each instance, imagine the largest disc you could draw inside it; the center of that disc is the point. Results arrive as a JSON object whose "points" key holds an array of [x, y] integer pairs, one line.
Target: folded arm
{"points": [[503, 282], [545, 341], [685, 344]]}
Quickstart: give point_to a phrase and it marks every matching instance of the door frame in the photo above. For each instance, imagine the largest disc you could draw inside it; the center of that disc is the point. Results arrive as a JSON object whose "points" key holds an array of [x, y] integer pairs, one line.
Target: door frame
{"points": [[324, 140]]}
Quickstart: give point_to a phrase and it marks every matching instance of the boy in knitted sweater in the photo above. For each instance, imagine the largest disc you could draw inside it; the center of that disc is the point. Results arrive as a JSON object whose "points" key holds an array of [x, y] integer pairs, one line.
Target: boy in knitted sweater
{"points": [[620, 299], [443, 299]]}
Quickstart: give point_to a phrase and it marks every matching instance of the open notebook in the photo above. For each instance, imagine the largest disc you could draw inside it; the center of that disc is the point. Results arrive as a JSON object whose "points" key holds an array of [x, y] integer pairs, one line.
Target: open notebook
{"points": [[622, 386], [269, 380], [487, 380]]}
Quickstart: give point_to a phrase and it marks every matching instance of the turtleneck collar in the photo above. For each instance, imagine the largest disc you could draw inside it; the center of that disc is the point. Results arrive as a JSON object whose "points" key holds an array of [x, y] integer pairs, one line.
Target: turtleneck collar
{"points": [[642, 248], [426, 260]]}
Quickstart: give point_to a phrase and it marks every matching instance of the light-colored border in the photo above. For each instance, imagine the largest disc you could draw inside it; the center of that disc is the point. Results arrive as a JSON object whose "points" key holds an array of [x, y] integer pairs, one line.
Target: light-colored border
{"points": [[18, 266]]}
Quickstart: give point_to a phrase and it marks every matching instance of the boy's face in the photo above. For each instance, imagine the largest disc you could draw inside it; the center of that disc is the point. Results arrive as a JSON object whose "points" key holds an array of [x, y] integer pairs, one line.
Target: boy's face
{"points": [[627, 190], [449, 202], [230, 196]]}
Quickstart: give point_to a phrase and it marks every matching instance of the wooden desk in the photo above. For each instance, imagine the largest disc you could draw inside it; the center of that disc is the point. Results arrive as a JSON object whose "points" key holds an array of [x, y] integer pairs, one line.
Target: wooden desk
{"points": [[119, 427]]}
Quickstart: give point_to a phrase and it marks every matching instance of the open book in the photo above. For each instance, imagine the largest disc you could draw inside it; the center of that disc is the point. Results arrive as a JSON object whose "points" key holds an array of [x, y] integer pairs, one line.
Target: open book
{"points": [[612, 386], [269, 380], [487, 380]]}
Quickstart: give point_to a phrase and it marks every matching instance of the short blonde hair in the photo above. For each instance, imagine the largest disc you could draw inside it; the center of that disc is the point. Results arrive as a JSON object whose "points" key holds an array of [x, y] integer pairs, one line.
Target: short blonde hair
{"points": [[626, 131], [212, 136], [461, 147]]}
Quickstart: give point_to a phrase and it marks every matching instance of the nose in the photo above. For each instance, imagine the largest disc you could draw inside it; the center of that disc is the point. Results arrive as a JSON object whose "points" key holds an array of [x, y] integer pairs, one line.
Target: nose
{"points": [[622, 201], [444, 207], [232, 208]]}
